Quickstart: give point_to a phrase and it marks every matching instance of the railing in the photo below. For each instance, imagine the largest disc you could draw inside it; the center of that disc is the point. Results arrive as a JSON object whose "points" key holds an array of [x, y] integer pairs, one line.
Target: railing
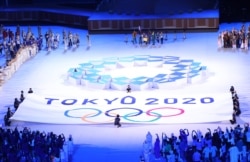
{"points": [[24, 54]]}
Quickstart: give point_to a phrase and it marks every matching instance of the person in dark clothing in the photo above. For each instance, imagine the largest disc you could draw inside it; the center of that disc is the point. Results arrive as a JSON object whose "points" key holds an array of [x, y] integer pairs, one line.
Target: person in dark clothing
{"points": [[128, 89], [9, 113], [233, 120], [232, 89], [7, 121], [22, 97], [16, 103], [30, 90], [117, 121]]}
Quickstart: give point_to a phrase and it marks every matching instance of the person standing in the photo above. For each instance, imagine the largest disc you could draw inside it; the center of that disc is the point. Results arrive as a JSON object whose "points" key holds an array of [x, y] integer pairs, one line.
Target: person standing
{"points": [[66, 43], [68, 147], [147, 150], [232, 90], [139, 29], [153, 36], [134, 34], [128, 89], [30, 90], [16, 103], [22, 96], [88, 40], [117, 121], [161, 37], [157, 149]]}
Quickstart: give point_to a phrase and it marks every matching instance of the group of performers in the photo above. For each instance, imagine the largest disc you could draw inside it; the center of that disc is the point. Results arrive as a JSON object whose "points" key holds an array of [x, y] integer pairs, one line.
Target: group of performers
{"points": [[11, 42], [148, 37], [151, 37], [52, 40], [70, 39], [235, 39]]}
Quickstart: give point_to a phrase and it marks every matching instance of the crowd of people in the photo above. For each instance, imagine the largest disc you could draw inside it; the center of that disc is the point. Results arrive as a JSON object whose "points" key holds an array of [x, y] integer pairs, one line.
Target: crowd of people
{"points": [[12, 40], [229, 145], [235, 39], [17, 46], [16, 49], [151, 37], [25, 145]]}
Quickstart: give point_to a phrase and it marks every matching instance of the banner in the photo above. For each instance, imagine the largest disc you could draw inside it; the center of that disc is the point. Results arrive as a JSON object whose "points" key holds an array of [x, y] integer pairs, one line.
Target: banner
{"points": [[144, 108]]}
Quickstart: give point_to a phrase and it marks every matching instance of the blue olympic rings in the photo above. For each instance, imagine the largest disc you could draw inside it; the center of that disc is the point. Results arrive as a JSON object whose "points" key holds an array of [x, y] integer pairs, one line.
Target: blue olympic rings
{"points": [[66, 113], [157, 118], [127, 117], [139, 111]]}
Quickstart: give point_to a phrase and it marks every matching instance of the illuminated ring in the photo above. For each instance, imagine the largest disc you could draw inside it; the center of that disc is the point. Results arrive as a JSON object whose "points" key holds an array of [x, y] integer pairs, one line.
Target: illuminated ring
{"points": [[139, 111], [150, 111], [157, 118], [84, 118], [66, 113]]}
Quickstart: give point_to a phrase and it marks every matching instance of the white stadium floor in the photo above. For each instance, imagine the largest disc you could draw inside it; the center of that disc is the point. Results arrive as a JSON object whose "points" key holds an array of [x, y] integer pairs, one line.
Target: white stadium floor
{"points": [[96, 139]]}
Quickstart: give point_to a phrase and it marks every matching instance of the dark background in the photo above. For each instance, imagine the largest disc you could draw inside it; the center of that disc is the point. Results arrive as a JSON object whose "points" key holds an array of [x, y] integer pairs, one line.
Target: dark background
{"points": [[229, 10], [234, 10]]}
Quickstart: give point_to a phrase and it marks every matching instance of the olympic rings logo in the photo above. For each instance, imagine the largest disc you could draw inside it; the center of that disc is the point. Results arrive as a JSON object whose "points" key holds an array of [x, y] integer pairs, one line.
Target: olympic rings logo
{"points": [[130, 117]]}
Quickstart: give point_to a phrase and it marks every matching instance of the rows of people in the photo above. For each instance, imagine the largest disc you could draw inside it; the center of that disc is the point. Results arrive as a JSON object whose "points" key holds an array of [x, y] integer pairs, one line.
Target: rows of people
{"points": [[235, 39], [16, 145], [17, 49], [151, 37], [231, 144], [27, 145], [12, 65], [219, 146], [23, 144], [12, 40], [69, 39]]}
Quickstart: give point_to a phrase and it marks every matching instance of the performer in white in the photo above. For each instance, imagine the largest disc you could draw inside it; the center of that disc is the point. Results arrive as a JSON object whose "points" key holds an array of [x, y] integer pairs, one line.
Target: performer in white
{"points": [[65, 40], [246, 44], [219, 40], [88, 40]]}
